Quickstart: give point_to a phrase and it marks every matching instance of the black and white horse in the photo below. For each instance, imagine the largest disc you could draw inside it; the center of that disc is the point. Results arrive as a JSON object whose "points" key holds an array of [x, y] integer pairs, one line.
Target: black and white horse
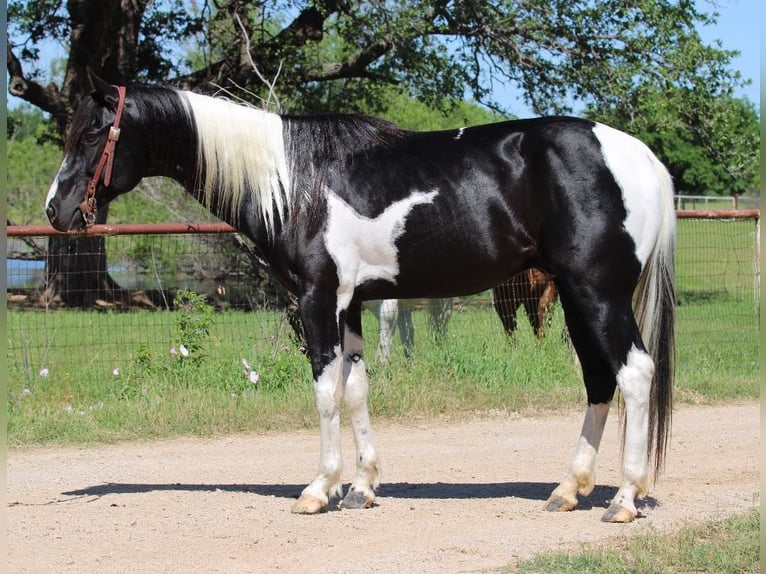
{"points": [[349, 208]]}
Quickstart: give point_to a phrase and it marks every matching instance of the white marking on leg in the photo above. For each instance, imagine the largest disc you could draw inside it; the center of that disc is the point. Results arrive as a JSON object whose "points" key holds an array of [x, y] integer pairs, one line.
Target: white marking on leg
{"points": [[582, 471], [584, 462], [634, 380], [328, 392], [356, 391], [364, 248]]}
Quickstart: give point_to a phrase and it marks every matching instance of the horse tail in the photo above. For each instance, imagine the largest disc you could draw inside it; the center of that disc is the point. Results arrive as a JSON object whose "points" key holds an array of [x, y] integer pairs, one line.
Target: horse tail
{"points": [[655, 315]]}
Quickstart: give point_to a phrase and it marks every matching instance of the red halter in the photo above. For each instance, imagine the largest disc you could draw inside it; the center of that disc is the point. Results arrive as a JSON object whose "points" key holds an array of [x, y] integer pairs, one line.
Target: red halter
{"points": [[88, 206]]}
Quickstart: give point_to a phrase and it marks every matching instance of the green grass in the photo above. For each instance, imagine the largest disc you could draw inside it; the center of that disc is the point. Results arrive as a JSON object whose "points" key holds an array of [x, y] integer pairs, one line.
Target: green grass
{"points": [[157, 394], [728, 546]]}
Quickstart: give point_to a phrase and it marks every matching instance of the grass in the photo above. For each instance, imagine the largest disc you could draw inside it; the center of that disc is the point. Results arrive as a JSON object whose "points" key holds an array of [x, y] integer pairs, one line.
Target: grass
{"points": [[157, 394], [728, 546]]}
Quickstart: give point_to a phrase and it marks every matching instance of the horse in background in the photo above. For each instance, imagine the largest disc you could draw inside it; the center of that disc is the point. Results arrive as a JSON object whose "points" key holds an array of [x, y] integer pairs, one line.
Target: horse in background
{"points": [[532, 289], [397, 313]]}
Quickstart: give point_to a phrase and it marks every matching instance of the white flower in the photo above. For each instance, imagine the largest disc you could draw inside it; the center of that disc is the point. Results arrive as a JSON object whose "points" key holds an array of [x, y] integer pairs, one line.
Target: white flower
{"points": [[253, 377], [173, 351], [246, 365], [183, 350], [44, 372], [116, 371], [25, 393]]}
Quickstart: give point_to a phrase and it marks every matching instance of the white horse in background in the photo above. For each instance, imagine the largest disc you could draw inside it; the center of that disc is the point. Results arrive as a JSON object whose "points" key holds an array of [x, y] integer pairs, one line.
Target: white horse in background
{"points": [[390, 312]]}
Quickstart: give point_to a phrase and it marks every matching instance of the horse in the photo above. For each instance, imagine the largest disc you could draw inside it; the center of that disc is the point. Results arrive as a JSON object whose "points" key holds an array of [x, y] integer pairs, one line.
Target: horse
{"points": [[532, 289], [347, 208], [390, 312]]}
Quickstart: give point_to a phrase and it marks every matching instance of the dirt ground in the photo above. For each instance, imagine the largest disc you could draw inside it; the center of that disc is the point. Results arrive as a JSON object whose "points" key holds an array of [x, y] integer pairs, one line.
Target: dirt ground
{"points": [[462, 497]]}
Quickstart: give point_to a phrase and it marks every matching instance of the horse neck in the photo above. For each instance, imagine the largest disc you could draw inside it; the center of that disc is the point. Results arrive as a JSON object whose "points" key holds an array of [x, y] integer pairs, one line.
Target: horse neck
{"points": [[170, 136]]}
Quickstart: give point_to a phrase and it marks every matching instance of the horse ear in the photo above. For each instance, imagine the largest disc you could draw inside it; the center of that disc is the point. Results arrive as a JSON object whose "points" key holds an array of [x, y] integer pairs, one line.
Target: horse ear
{"points": [[103, 90]]}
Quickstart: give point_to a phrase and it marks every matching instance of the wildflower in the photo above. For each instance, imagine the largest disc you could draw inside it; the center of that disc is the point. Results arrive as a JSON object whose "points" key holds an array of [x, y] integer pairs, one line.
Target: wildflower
{"points": [[183, 350], [68, 409], [246, 365], [25, 393], [253, 377], [116, 371], [44, 372], [173, 351]]}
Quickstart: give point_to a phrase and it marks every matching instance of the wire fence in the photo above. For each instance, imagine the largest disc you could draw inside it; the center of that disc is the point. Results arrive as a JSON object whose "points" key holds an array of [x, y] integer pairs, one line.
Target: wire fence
{"points": [[87, 311]]}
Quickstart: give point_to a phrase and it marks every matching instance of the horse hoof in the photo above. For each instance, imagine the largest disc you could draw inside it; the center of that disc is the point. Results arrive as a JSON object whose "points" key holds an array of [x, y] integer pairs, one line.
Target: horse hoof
{"points": [[308, 504], [355, 499], [618, 514], [559, 504]]}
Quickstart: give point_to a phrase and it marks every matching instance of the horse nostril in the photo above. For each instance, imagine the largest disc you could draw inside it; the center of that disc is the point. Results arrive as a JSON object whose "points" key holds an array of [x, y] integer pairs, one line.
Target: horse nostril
{"points": [[50, 212]]}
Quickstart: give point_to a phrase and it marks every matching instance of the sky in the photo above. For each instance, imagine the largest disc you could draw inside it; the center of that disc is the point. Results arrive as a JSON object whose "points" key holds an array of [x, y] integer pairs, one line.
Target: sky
{"points": [[738, 28]]}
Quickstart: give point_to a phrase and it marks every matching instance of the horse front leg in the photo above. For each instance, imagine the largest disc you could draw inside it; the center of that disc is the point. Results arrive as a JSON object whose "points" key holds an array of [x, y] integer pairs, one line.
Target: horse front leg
{"points": [[320, 324], [361, 493]]}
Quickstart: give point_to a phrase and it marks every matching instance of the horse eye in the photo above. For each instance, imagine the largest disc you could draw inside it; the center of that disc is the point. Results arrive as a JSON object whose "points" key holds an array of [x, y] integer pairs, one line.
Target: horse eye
{"points": [[90, 137]]}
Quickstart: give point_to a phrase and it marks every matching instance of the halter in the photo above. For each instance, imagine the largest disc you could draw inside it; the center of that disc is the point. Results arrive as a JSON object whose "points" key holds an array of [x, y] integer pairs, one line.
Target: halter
{"points": [[88, 206]]}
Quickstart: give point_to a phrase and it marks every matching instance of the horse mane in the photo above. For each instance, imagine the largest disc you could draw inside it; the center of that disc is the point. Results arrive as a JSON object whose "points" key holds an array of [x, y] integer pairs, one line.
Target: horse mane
{"points": [[240, 154], [244, 152]]}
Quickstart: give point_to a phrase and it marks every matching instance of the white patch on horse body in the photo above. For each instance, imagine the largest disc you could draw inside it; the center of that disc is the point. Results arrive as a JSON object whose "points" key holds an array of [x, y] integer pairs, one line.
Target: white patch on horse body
{"points": [[55, 185], [635, 380], [240, 148], [632, 165], [459, 134], [364, 248]]}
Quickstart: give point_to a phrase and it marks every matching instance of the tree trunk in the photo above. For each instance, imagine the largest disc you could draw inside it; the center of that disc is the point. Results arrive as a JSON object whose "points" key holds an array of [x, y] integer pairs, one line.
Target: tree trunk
{"points": [[76, 269]]}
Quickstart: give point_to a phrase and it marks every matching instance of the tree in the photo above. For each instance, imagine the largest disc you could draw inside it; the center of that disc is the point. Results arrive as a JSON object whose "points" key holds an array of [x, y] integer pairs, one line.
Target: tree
{"points": [[345, 55]]}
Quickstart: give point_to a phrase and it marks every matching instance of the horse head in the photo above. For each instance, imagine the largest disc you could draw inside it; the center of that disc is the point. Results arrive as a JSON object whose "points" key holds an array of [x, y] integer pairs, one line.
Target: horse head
{"points": [[104, 156]]}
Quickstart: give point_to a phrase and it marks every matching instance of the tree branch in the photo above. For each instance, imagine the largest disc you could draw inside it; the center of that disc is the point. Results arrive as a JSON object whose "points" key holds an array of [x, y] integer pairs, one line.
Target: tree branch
{"points": [[29, 90]]}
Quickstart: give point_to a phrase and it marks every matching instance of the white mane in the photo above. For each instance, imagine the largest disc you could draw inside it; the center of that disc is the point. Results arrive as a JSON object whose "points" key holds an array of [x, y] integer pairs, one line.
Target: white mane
{"points": [[240, 148]]}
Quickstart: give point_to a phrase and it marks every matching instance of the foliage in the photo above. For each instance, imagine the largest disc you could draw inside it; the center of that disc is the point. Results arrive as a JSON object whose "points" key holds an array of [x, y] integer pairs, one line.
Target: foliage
{"points": [[329, 55], [193, 319]]}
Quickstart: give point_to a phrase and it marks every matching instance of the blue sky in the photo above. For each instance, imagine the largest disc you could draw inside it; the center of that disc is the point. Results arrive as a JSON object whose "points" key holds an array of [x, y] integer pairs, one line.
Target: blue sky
{"points": [[739, 28]]}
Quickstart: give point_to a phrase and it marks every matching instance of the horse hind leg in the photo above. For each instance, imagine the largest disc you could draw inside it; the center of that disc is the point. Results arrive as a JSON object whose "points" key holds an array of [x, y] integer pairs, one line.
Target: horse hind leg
{"points": [[611, 353]]}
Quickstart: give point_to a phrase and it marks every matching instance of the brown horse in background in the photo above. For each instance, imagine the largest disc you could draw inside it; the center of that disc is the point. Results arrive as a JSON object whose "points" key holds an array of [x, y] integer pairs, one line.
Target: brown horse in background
{"points": [[531, 288]]}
